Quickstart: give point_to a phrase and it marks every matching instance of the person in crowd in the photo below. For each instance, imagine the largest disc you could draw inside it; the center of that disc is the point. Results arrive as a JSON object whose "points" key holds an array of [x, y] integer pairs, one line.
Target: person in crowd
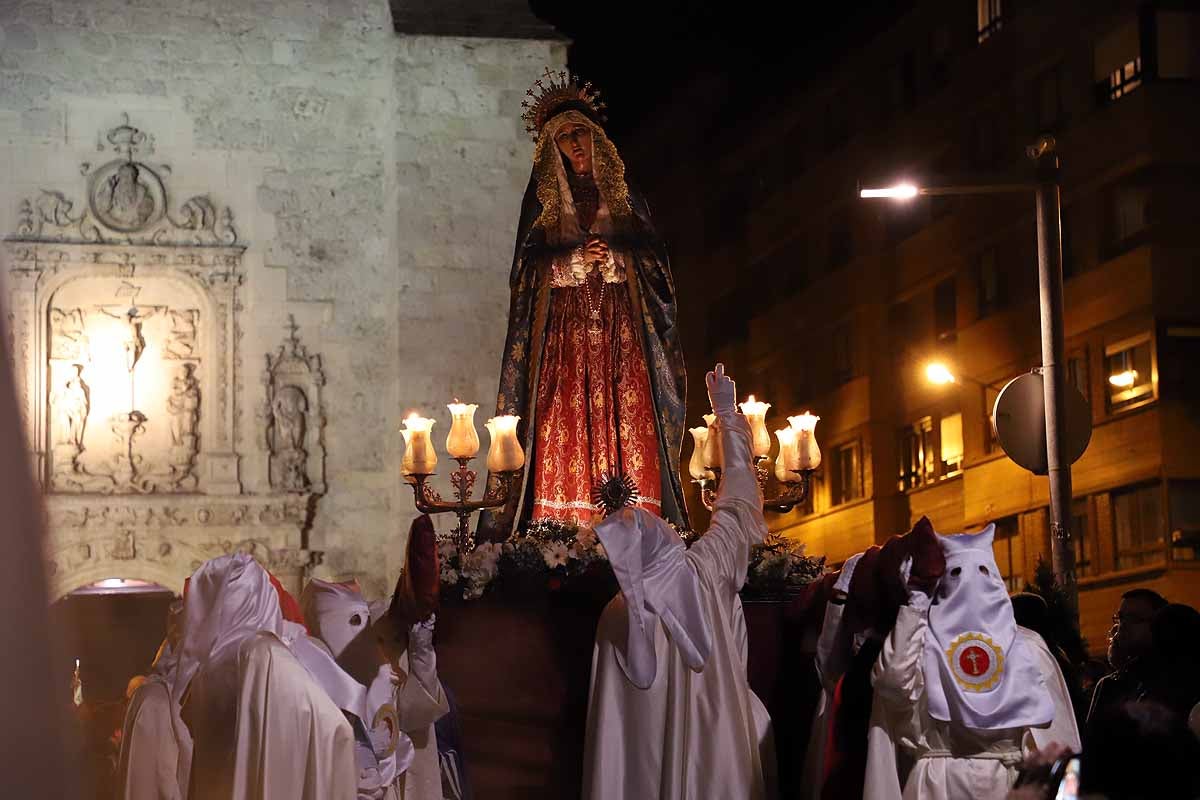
{"points": [[1031, 611], [671, 713], [832, 653], [1174, 671], [405, 634], [1135, 750], [340, 618], [1129, 642], [249, 702], [964, 691], [156, 746]]}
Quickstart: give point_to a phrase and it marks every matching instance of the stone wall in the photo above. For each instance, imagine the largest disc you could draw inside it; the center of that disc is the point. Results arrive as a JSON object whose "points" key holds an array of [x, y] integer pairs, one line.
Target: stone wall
{"points": [[375, 178]]}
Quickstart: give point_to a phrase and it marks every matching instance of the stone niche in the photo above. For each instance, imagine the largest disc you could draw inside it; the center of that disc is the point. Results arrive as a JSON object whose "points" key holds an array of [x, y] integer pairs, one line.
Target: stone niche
{"points": [[125, 330]]}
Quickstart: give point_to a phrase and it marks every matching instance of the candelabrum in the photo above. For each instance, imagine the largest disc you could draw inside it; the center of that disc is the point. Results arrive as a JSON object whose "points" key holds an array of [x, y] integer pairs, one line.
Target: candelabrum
{"points": [[429, 500], [792, 493]]}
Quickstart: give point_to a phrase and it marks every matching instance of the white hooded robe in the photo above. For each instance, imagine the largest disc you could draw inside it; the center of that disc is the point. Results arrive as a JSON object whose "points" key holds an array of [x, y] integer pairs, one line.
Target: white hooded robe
{"points": [[697, 730]]}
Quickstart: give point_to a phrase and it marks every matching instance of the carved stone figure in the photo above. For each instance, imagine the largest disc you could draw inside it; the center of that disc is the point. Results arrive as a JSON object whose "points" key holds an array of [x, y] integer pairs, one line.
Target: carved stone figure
{"points": [[71, 405], [293, 416], [123, 201], [182, 341], [133, 318], [184, 407], [67, 337], [289, 408]]}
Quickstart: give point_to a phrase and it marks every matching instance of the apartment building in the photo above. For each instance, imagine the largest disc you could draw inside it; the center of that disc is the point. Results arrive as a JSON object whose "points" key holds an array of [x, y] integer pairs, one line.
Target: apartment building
{"points": [[819, 300]]}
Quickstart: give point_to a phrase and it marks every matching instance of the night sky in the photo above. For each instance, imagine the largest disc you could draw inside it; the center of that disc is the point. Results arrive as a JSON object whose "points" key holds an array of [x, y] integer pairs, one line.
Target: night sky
{"points": [[638, 52]]}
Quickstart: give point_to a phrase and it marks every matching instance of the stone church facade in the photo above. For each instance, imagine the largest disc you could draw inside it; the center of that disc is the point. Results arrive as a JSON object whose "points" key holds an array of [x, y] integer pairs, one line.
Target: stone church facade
{"points": [[241, 241]]}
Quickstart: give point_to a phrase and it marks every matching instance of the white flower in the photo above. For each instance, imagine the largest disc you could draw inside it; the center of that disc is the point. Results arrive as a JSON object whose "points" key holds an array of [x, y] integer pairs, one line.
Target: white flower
{"points": [[449, 575], [555, 554]]}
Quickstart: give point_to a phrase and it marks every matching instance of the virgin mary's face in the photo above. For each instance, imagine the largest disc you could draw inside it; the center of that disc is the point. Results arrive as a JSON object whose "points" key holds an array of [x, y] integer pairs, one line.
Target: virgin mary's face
{"points": [[574, 141]]}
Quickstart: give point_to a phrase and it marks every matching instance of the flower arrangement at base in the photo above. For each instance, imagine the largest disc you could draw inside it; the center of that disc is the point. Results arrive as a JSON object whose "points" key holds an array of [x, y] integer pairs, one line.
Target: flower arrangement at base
{"points": [[779, 568], [548, 554]]}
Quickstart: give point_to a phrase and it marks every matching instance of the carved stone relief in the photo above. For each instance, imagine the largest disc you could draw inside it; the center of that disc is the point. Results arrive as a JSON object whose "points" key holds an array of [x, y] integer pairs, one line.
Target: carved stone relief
{"points": [[293, 417], [127, 201], [123, 313]]}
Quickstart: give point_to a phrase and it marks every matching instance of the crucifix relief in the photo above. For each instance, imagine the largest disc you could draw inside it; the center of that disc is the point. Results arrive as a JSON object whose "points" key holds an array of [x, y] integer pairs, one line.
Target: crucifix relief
{"points": [[126, 404]]}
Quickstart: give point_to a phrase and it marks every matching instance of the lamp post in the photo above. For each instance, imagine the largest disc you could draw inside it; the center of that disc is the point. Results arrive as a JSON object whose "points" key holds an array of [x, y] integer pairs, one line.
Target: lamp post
{"points": [[1046, 191]]}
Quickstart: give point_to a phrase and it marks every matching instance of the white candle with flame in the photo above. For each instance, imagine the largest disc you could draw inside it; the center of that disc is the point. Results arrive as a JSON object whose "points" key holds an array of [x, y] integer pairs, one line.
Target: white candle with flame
{"points": [[788, 458], [504, 453], [756, 414], [713, 454], [805, 426], [463, 439], [419, 456], [696, 465]]}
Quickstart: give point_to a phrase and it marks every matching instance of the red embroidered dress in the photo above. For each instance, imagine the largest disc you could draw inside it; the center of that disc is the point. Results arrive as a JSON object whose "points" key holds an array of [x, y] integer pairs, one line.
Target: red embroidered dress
{"points": [[595, 412]]}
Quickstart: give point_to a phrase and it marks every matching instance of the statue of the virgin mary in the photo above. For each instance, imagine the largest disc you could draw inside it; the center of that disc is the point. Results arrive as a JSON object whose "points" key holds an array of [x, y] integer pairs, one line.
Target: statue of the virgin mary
{"points": [[592, 362]]}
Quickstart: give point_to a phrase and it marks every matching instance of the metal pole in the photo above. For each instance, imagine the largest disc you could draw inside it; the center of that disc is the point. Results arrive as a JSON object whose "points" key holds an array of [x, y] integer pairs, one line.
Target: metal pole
{"points": [[1050, 293]]}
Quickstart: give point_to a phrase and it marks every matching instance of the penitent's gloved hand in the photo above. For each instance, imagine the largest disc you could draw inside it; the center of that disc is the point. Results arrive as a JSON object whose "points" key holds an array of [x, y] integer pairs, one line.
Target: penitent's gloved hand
{"points": [[722, 391], [422, 660], [919, 595]]}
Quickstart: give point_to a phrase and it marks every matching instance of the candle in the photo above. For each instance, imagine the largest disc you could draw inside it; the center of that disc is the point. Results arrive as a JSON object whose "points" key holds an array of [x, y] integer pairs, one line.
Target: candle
{"points": [[788, 458], [805, 426], [419, 455], [713, 455], [463, 439], [756, 414], [505, 453], [696, 465]]}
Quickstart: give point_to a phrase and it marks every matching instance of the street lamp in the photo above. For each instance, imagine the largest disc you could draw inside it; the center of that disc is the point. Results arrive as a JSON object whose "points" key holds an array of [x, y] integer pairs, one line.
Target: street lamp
{"points": [[939, 374], [1046, 191]]}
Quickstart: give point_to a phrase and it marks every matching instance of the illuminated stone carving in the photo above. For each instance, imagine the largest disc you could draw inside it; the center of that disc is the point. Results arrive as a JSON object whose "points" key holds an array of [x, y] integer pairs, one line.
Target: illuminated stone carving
{"points": [[294, 418]]}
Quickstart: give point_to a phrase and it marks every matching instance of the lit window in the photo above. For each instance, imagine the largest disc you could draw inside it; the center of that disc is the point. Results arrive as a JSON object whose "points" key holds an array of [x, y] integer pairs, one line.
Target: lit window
{"points": [[1129, 369], [1138, 526], [930, 452], [951, 443], [917, 464], [989, 18], [1117, 61], [1125, 78], [1183, 499], [846, 469]]}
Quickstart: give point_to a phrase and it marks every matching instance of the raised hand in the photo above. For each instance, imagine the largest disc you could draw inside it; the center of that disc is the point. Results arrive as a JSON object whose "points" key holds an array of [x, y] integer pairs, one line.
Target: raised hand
{"points": [[722, 391]]}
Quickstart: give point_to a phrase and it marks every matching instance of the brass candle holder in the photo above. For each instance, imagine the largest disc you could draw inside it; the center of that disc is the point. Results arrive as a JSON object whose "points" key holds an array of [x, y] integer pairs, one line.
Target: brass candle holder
{"points": [[429, 501], [791, 493]]}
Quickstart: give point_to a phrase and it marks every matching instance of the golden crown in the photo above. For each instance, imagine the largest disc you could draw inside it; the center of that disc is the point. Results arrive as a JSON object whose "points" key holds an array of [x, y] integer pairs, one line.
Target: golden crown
{"points": [[555, 89]]}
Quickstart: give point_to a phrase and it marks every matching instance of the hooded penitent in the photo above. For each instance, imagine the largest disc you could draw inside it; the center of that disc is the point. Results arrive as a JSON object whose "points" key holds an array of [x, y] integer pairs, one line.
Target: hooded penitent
{"points": [[227, 600], [978, 671], [340, 616], [649, 560]]}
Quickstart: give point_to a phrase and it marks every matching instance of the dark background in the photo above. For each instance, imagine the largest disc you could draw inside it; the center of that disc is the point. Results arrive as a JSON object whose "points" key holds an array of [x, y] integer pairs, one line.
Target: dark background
{"points": [[640, 53]]}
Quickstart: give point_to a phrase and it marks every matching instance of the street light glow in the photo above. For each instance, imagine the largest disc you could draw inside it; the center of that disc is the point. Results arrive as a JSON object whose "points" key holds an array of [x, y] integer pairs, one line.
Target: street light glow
{"points": [[939, 374], [901, 191]]}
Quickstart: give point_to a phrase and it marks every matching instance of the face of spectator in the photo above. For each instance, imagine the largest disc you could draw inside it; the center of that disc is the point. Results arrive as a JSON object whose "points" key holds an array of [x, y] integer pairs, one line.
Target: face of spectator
{"points": [[1129, 637]]}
